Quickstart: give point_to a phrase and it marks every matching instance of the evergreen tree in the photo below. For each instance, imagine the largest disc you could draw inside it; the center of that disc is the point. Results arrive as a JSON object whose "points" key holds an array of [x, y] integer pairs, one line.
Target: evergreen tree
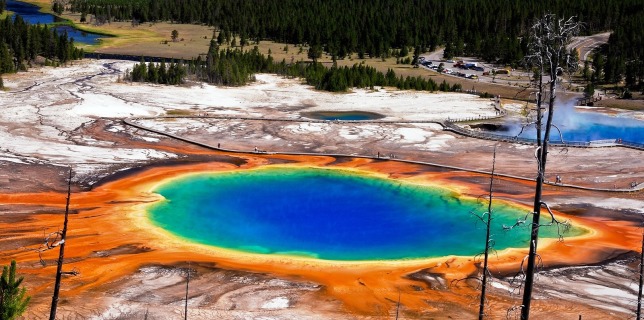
{"points": [[57, 8], [589, 90], [598, 65], [6, 59], [13, 299], [403, 52], [464, 27], [315, 52], [416, 55], [448, 53], [586, 71], [153, 73], [21, 43], [163, 74], [459, 47]]}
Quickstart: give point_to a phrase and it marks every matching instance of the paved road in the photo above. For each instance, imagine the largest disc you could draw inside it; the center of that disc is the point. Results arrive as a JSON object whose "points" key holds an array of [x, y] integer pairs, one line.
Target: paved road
{"points": [[587, 44]]}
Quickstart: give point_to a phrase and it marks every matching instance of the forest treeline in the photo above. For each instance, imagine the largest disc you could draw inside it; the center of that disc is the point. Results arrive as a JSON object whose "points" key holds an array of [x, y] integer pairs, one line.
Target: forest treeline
{"points": [[21, 43], [625, 53], [490, 29], [234, 67]]}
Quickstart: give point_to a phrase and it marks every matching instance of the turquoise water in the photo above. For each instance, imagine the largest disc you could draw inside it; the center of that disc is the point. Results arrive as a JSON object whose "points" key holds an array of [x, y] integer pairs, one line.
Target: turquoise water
{"points": [[328, 214], [583, 125]]}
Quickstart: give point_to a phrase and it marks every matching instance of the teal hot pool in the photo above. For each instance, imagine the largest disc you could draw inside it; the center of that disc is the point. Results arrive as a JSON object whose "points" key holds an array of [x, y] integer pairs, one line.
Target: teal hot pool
{"points": [[329, 214]]}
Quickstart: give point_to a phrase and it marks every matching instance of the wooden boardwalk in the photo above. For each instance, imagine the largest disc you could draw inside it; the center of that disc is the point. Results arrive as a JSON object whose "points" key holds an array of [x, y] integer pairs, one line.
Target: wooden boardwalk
{"points": [[132, 122]]}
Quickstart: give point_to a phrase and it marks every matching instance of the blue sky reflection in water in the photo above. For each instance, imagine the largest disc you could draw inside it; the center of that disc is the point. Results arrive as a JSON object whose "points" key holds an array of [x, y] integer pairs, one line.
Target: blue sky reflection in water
{"points": [[78, 35], [584, 125], [328, 214], [30, 13]]}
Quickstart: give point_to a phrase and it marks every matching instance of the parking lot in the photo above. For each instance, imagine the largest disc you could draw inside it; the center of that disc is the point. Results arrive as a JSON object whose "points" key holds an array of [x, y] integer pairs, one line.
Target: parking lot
{"points": [[474, 69]]}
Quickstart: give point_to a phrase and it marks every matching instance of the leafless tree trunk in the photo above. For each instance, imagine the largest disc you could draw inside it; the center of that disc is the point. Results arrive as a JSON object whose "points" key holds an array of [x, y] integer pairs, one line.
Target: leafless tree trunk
{"points": [[639, 294], [487, 242], [486, 218], [187, 286], [61, 254], [547, 53], [398, 305]]}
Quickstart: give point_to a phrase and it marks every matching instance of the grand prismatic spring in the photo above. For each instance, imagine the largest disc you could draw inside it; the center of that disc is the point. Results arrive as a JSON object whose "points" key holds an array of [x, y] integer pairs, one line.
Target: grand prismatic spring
{"points": [[342, 237], [254, 218], [330, 214]]}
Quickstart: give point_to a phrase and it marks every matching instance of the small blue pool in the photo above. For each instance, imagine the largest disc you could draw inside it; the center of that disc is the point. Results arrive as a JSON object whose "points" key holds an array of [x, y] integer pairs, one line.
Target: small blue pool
{"points": [[343, 115]]}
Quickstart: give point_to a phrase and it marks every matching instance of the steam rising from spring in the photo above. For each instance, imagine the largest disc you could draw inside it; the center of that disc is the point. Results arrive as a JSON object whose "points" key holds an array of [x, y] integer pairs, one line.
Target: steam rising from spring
{"points": [[578, 124]]}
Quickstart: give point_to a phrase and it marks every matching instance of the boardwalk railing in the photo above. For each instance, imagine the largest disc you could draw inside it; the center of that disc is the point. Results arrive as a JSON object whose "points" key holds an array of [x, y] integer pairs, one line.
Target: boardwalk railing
{"points": [[132, 122], [450, 125], [589, 101], [633, 145]]}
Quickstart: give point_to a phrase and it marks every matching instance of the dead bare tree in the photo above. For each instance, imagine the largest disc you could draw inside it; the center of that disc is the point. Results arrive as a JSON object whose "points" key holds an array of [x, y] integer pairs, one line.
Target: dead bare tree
{"points": [[187, 287], [487, 218], [639, 294], [547, 54], [398, 305], [61, 253]]}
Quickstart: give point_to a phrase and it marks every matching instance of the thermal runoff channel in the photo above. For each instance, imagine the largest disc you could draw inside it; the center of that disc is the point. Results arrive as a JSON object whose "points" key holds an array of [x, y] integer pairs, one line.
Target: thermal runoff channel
{"points": [[329, 214], [581, 125]]}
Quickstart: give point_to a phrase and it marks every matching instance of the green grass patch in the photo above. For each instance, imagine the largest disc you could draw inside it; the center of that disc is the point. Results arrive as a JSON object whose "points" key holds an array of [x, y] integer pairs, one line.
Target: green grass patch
{"points": [[5, 14]]}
